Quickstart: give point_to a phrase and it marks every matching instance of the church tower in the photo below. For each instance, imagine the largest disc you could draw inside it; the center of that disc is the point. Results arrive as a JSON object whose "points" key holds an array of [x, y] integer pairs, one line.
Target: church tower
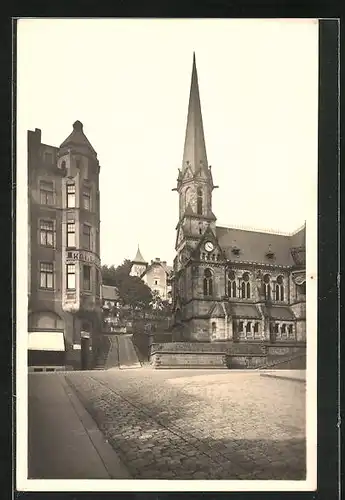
{"points": [[139, 265], [194, 183], [196, 228]]}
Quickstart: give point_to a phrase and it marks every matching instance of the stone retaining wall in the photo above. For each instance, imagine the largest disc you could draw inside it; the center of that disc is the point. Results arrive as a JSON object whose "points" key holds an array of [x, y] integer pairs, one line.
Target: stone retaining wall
{"points": [[188, 360], [218, 354]]}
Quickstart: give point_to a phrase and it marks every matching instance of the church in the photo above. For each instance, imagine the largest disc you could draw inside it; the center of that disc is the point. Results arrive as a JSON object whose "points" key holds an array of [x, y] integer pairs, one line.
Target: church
{"points": [[230, 284]]}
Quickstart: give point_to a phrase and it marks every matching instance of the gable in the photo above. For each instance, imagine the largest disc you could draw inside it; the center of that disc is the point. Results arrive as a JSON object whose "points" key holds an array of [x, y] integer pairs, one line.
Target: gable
{"points": [[206, 237], [217, 310]]}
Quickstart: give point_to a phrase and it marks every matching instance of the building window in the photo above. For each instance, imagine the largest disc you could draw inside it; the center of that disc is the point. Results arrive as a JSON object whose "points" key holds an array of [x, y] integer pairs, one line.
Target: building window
{"points": [[283, 328], [276, 328], [70, 274], [186, 197], [98, 282], [87, 277], [208, 283], [70, 191], [48, 158], [256, 327], [156, 282], [240, 326], [199, 201], [267, 287], [71, 234], [63, 165], [47, 193], [87, 236], [280, 289], [200, 228], [245, 286], [47, 233], [290, 330], [248, 327], [86, 198], [231, 284], [46, 275], [214, 328]]}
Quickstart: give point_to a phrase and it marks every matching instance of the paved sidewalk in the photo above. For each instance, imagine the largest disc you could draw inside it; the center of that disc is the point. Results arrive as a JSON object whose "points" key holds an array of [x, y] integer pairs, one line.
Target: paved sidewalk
{"points": [[64, 441], [296, 375]]}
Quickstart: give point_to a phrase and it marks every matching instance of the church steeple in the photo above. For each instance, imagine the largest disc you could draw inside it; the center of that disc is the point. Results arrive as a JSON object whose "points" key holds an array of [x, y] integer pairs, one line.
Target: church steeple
{"points": [[139, 265], [194, 153], [139, 259], [194, 183]]}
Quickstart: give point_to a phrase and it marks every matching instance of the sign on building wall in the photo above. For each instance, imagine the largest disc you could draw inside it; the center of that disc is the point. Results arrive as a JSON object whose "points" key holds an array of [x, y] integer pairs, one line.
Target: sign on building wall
{"points": [[83, 256]]}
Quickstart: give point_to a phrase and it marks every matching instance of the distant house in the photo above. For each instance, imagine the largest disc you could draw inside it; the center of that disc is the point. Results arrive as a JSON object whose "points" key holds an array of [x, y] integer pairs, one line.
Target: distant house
{"points": [[110, 305], [157, 275]]}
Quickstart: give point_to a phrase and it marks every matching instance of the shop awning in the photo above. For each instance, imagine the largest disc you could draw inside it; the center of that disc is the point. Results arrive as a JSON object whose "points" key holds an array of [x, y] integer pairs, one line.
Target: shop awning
{"points": [[46, 341]]}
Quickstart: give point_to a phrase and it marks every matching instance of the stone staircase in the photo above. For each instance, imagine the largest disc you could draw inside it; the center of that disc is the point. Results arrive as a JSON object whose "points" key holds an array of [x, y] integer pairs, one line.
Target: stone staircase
{"points": [[295, 361], [117, 351]]}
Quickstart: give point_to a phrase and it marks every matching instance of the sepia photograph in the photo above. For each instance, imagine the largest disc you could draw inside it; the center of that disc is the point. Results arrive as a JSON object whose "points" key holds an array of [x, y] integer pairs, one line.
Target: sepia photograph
{"points": [[167, 256]]}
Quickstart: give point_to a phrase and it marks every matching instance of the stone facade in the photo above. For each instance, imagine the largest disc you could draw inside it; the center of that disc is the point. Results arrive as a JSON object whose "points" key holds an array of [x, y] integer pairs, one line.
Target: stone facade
{"points": [[64, 241], [230, 284]]}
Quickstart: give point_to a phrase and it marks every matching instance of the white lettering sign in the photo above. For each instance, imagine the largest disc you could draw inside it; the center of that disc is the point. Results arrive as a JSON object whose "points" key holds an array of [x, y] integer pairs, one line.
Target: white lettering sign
{"points": [[84, 256]]}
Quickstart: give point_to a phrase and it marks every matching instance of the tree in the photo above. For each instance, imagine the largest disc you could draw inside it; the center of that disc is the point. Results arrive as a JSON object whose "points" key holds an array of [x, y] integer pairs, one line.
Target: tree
{"points": [[133, 292]]}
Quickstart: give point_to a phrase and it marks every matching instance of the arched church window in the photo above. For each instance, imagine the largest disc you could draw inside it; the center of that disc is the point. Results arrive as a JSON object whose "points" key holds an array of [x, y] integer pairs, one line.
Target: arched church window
{"points": [[214, 328], [199, 201], [248, 327], [208, 283], [280, 288], [267, 286], [256, 327], [231, 284], [245, 286], [186, 197]]}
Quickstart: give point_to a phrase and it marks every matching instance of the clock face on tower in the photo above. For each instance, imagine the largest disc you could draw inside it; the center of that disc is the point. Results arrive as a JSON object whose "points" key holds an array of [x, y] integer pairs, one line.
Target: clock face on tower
{"points": [[209, 246]]}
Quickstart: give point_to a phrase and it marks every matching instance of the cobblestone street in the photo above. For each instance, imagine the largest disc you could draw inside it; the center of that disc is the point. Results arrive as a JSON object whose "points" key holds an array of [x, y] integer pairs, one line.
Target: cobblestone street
{"points": [[199, 424]]}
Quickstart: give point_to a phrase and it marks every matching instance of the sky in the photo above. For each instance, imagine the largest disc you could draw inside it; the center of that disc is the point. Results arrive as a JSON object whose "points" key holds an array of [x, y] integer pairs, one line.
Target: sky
{"points": [[128, 82]]}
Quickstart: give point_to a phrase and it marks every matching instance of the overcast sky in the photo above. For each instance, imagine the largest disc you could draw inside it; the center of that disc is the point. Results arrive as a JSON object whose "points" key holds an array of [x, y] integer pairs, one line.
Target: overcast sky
{"points": [[128, 81]]}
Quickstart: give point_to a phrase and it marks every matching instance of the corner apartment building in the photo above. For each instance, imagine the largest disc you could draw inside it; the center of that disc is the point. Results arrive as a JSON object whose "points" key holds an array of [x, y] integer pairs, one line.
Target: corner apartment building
{"points": [[64, 304]]}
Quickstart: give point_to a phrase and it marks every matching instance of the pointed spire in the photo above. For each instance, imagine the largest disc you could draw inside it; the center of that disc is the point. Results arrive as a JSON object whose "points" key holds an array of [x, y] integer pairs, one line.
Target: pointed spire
{"points": [[194, 148], [139, 258], [78, 139]]}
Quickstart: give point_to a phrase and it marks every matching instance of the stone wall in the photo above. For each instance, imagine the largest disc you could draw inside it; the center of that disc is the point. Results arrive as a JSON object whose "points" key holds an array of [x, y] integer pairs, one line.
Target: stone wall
{"points": [[188, 360]]}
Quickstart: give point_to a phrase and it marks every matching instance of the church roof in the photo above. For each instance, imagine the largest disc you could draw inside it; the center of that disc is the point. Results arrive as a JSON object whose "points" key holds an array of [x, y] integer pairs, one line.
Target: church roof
{"points": [[253, 246], [249, 311], [280, 313], [298, 238], [194, 147], [78, 138], [139, 259]]}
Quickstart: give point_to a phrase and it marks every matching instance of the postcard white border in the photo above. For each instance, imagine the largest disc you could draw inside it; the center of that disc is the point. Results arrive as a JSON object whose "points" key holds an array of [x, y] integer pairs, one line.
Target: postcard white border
{"points": [[113, 485]]}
